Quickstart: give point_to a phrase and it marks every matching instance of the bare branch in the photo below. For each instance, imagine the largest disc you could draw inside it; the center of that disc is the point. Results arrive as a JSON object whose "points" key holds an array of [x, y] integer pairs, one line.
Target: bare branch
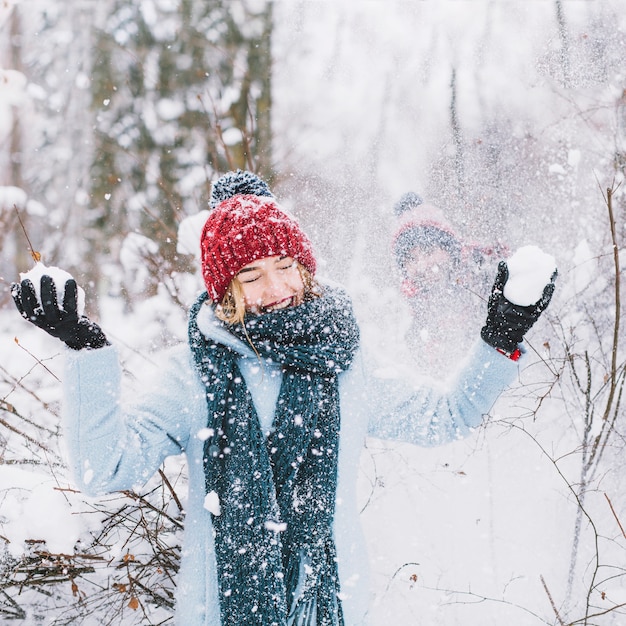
{"points": [[556, 611], [615, 515]]}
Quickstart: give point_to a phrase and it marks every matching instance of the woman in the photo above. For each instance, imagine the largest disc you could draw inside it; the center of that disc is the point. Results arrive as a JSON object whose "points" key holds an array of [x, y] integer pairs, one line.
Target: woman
{"points": [[440, 272], [270, 400]]}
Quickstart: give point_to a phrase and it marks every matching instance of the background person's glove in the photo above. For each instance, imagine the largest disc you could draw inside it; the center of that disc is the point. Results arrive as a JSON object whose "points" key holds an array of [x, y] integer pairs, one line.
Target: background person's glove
{"points": [[507, 323], [64, 323]]}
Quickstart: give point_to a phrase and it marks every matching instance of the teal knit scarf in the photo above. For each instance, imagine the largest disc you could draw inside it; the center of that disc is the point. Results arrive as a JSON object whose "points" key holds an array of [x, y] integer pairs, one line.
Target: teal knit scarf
{"points": [[276, 558]]}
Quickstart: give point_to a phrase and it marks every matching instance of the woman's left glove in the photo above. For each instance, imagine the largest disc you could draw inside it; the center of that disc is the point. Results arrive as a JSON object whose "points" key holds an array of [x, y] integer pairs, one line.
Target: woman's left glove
{"points": [[507, 323], [64, 323]]}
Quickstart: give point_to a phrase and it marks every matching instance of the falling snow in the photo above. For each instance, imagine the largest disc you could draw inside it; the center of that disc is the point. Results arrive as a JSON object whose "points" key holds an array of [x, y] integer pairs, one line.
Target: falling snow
{"points": [[483, 531]]}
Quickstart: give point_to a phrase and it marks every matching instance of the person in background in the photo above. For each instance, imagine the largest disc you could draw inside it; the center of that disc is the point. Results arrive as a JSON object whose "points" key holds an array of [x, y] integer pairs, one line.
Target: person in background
{"points": [[444, 279], [270, 399]]}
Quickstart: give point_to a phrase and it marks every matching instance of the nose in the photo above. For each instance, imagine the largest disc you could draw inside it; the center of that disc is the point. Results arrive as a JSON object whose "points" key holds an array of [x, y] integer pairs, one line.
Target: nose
{"points": [[276, 287]]}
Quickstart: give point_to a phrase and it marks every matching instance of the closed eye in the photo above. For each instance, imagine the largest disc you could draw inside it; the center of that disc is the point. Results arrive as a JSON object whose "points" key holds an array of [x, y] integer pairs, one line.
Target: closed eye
{"points": [[249, 279], [286, 264]]}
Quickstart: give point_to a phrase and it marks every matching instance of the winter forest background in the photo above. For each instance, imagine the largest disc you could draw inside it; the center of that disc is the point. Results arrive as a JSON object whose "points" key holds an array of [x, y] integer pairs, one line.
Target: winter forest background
{"points": [[115, 116]]}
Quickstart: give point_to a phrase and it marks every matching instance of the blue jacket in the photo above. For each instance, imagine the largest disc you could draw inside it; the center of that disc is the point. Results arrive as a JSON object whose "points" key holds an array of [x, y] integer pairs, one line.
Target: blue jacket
{"points": [[114, 447]]}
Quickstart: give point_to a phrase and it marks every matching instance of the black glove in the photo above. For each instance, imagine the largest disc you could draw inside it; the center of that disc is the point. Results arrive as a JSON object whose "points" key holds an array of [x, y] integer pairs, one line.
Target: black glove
{"points": [[507, 323], [65, 324]]}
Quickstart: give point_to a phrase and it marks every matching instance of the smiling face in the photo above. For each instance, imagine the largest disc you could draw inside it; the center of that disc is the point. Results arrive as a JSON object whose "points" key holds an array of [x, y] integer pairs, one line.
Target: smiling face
{"points": [[427, 268], [271, 284]]}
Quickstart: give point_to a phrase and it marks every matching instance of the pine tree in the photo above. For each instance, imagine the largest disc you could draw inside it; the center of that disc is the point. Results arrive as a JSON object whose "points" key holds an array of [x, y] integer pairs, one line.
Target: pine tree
{"points": [[50, 142], [180, 94]]}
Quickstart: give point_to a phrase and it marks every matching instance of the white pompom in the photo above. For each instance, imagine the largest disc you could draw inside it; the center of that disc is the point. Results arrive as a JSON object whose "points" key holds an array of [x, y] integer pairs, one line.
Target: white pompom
{"points": [[530, 270], [60, 277]]}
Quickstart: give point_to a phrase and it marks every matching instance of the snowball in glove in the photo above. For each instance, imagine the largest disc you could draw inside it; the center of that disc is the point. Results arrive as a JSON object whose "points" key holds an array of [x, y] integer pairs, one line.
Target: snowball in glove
{"points": [[507, 323], [41, 307]]}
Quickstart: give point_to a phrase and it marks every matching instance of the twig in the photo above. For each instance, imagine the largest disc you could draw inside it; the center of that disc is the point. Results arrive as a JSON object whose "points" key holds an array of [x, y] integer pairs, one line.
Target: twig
{"points": [[159, 220], [615, 515], [17, 431], [579, 498], [212, 147], [36, 255], [477, 597], [556, 611], [586, 618], [170, 488], [609, 204], [403, 566], [17, 612], [218, 131], [151, 506], [39, 361]]}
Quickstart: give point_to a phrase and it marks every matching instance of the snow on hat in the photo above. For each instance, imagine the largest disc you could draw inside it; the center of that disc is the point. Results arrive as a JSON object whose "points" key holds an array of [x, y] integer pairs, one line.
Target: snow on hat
{"points": [[422, 225], [242, 229], [238, 182]]}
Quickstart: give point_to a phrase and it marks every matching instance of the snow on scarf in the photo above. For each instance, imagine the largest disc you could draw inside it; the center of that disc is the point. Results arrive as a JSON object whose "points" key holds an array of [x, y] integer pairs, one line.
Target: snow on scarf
{"points": [[275, 551]]}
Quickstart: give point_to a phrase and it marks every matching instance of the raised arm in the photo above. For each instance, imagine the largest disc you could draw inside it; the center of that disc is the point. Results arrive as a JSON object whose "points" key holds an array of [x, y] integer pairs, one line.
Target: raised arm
{"points": [[110, 448], [432, 414]]}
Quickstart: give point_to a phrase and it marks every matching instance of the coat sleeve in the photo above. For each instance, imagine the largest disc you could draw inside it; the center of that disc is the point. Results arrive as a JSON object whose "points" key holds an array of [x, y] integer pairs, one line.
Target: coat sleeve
{"points": [[112, 448], [430, 414]]}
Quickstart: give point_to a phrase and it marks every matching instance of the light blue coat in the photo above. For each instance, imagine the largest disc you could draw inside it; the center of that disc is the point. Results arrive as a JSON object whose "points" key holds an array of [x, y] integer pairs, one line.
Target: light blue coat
{"points": [[115, 448]]}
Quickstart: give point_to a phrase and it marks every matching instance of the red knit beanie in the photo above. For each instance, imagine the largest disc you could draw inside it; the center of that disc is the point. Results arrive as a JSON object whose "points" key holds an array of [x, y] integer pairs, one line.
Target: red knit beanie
{"points": [[243, 229]]}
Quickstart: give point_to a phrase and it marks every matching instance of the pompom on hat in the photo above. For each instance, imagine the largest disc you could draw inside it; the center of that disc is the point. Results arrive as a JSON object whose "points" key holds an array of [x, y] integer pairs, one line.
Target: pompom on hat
{"points": [[408, 202], [242, 229], [236, 183]]}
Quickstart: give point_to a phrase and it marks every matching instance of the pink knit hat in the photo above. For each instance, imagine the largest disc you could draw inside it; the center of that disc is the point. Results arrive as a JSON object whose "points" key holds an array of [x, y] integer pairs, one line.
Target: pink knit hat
{"points": [[242, 229]]}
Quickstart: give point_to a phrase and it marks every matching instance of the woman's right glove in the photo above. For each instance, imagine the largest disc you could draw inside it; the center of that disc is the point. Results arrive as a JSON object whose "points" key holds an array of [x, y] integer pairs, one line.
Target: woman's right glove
{"points": [[507, 323], [64, 323]]}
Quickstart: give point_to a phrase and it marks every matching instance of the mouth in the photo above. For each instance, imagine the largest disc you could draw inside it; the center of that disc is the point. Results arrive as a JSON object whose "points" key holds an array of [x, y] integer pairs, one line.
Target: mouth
{"points": [[279, 306]]}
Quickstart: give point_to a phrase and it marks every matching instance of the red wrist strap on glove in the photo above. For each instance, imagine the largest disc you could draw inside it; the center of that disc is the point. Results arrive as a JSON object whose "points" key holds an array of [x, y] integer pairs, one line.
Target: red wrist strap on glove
{"points": [[514, 356]]}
